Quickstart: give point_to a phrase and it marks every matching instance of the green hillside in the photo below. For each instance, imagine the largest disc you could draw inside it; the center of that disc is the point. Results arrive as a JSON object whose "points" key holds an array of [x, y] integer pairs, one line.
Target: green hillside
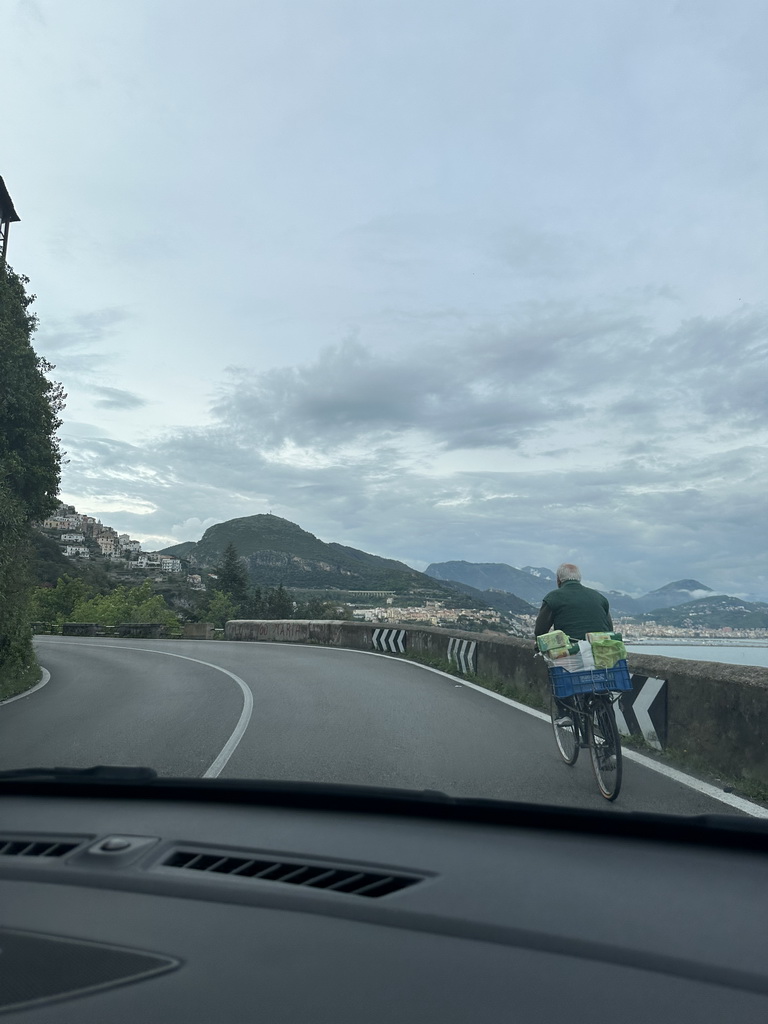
{"points": [[277, 551], [180, 550], [712, 613]]}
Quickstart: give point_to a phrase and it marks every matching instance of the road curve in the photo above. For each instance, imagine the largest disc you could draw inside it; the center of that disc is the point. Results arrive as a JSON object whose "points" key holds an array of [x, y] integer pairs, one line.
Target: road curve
{"points": [[318, 714]]}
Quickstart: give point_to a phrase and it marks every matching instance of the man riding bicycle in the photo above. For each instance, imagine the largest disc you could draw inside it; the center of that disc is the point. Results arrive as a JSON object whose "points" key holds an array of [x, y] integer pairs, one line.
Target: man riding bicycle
{"points": [[574, 608]]}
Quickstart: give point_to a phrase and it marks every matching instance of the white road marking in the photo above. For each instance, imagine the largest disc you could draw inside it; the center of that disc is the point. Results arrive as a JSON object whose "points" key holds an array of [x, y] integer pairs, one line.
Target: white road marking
{"points": [[238, 732], [43, 680]]}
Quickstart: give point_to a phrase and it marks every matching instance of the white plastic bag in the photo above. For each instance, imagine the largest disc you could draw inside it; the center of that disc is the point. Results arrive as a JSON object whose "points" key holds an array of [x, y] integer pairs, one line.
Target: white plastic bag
{"points": [[587, 658]]}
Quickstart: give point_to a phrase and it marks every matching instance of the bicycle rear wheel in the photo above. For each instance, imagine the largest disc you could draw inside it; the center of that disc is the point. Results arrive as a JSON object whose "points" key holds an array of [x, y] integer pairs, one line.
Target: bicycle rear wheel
{"points": [[566, 736], [604, 747]]}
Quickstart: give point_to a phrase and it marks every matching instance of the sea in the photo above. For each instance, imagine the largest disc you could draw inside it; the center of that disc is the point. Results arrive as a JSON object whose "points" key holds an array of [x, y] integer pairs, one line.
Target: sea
{"points": [[732, 652]]}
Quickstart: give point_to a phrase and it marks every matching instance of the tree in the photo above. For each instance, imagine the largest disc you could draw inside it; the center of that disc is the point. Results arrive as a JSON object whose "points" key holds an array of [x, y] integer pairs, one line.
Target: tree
{"points": [[220, 609], [278, 604], [315, 608], [254, 606], [30, 455], [56, 604], [233, 578], [125, 604], [30, 460], [17, 662]]}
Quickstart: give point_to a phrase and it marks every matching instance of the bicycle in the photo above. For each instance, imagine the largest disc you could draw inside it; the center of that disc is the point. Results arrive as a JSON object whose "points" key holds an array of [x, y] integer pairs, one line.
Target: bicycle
{"points": [[581, 709]]}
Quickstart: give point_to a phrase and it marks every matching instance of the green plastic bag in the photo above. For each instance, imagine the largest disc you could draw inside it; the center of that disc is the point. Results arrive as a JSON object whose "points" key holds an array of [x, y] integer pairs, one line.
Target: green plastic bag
{"points": [[552, 640], [607, 652]]}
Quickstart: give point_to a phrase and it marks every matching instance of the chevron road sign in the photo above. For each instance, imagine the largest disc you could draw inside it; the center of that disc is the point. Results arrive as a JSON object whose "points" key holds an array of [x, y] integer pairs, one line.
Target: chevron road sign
{"points": [[464, 654], [644, 710], [392, 640]]}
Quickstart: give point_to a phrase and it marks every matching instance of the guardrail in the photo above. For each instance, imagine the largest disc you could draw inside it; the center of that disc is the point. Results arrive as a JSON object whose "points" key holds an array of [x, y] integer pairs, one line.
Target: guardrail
{"points": [[710, 714]]}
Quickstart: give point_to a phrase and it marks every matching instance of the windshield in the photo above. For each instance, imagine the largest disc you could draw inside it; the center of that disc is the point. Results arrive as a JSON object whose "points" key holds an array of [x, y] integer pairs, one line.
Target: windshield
{"points": [[352, 323]]}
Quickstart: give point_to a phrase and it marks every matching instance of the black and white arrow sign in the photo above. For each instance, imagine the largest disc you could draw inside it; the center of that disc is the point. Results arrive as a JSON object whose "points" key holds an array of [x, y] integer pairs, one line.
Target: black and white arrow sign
{"points": [[644, 710], [392, 640], [463, 653]]}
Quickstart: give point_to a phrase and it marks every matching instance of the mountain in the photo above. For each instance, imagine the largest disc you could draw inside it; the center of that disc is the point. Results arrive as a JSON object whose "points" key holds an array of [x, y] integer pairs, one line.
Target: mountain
{"points": [[621, 604], [277, 551], [531, 584], [670, 595], [712, 613], [180, 550], [542, 574], [523, 583], [500, 600]]}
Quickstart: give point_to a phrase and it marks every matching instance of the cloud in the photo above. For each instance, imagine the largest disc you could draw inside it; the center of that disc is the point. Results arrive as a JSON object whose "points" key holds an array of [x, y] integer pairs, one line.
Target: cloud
{"points": [[585, 378], [30, 11], [566, 445], [117, 398], [78, 343]]}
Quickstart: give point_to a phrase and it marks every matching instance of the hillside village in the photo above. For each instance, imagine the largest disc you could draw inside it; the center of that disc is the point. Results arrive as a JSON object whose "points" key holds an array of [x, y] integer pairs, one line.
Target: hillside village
{"points": [[81, 537]]}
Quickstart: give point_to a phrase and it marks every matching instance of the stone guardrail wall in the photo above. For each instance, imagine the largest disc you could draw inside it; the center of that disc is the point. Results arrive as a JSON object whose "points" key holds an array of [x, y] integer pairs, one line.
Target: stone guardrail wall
{"points": [[713, 714]]}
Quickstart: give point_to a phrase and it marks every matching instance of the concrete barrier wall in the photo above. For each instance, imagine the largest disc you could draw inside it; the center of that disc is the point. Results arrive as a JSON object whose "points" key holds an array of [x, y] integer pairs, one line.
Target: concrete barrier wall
{"points": [[142, 630], [198, 631], [716, 714], [79, 629]]}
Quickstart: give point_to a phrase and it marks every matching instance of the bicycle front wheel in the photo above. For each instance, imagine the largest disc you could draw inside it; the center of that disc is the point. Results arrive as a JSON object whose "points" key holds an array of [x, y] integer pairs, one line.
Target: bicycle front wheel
{"points": [[566, 732], [604, 747]]}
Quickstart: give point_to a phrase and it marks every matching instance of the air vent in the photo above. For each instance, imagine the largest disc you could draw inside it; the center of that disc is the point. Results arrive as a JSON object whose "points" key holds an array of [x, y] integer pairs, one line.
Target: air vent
{"points": [[352, 881], [27, 846]]}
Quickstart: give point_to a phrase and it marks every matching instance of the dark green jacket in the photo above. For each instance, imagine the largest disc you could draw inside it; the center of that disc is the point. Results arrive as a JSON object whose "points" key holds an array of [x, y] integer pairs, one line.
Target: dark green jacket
{"points": [[575, 609]]}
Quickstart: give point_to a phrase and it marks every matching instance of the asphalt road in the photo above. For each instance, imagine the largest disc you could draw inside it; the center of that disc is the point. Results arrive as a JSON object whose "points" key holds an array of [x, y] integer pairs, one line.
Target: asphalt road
{"points": [[276, 711]]}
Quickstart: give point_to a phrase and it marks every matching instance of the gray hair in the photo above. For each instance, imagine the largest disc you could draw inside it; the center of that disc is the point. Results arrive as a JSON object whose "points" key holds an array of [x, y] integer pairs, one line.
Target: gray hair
{"points": [[566, 571]]}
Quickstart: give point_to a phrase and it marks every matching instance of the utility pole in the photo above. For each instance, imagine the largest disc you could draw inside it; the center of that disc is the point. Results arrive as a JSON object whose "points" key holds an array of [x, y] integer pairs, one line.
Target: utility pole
{"points": [[7, 216]]}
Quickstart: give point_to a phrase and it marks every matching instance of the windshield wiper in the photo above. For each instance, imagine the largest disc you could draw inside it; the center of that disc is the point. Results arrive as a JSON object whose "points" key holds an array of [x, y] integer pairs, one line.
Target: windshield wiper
{"points": [[105, 772]]}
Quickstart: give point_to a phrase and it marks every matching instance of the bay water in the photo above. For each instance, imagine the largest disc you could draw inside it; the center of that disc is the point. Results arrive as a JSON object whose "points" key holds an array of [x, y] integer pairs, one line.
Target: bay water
{"points": [[732, 652]]}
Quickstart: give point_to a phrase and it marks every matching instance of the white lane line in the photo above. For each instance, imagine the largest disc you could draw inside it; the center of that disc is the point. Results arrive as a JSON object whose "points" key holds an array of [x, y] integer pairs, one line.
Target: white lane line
{"points": [[737, 802], [238, 732], [38, 686]]}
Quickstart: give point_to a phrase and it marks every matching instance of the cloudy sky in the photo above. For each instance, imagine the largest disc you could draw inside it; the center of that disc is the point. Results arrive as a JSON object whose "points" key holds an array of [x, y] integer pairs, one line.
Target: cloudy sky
{"points": [[440, 279]]}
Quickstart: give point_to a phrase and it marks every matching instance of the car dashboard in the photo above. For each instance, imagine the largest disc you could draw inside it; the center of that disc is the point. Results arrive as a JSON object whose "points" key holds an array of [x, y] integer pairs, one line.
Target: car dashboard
{"points": [[181, 901]]}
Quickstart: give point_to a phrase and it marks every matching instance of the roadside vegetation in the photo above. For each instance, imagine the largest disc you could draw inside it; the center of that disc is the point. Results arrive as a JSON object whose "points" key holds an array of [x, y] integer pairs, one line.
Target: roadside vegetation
{"points": [[234, 598], [94, 596], [30, 461], [72, 600]]}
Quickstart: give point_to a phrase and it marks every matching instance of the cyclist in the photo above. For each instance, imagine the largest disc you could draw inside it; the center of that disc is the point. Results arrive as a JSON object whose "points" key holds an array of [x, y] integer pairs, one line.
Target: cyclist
{"points": [[575, 609]]}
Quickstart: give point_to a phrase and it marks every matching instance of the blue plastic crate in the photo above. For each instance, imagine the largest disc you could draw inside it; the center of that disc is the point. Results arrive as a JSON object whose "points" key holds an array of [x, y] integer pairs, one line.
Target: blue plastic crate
{"points": [[565, 684]]}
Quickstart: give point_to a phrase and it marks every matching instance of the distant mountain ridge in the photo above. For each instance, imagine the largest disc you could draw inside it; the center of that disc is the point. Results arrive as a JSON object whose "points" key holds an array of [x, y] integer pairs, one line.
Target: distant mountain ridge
{"points": [[679, 592], [713, 612], [501, 600], [532, 584], [277, 551], [527, 584]]}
